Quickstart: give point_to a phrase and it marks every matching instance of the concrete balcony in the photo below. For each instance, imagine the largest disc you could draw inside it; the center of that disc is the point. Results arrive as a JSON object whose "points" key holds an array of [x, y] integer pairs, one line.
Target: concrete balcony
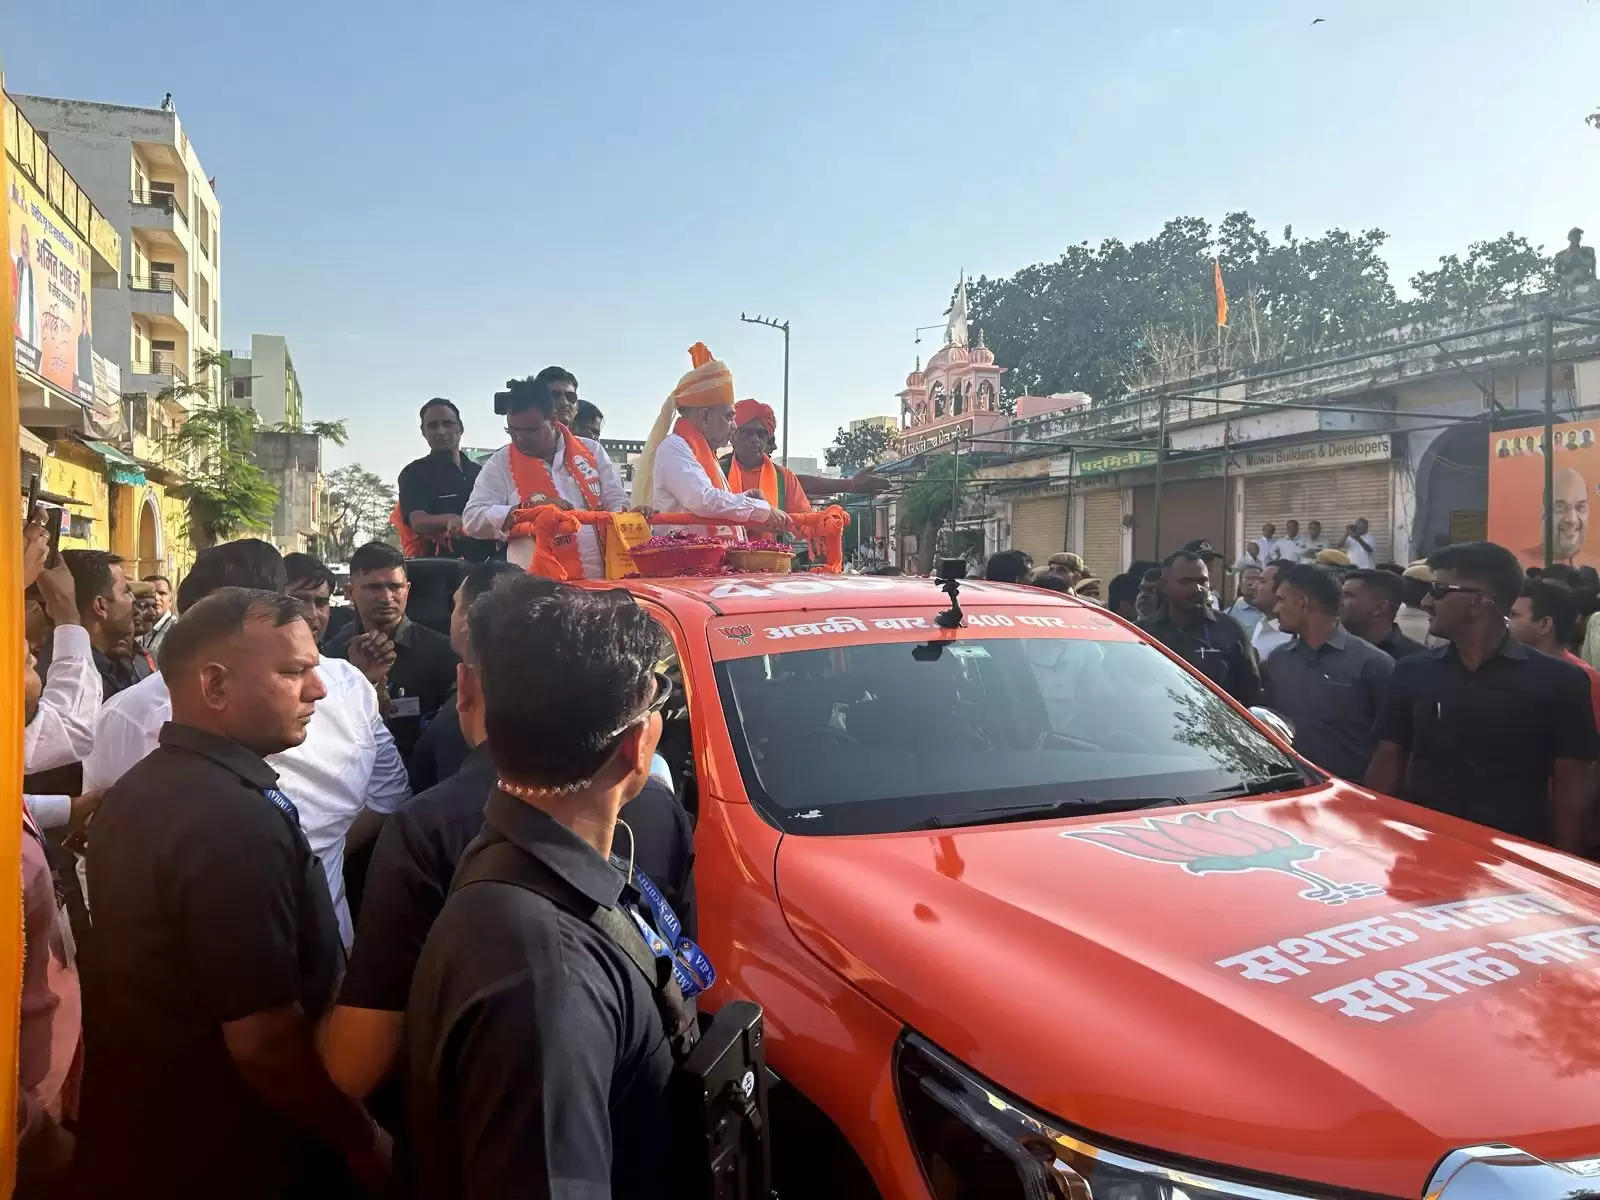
{"points": [[159, 373], [161, 297], [160, 216]]}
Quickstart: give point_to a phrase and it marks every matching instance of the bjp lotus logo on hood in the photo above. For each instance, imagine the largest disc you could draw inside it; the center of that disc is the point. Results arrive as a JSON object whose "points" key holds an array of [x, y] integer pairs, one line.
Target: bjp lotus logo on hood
{"points": [[1203, 843]]}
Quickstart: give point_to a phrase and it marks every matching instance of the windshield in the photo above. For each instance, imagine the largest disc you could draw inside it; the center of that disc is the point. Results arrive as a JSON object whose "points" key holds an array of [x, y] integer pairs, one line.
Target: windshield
{"points": [[885, 736]]}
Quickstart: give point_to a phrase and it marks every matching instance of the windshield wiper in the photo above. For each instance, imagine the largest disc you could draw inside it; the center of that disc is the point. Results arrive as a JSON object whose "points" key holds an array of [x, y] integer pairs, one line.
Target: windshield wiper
{"points": [[1277, 781], [1039, 812]]}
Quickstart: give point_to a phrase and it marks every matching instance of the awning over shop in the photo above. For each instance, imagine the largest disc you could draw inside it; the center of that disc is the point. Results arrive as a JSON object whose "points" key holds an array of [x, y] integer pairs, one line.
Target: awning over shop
{"points": [[120, 467]]}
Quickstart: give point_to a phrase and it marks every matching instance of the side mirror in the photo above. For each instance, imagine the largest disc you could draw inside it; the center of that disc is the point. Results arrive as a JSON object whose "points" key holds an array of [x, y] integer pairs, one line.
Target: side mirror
{"points": [[1275, 721]]}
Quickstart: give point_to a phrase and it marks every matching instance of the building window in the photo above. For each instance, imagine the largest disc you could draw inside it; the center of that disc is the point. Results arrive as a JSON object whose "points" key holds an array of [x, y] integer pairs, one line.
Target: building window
{"points": [[241, 388]]}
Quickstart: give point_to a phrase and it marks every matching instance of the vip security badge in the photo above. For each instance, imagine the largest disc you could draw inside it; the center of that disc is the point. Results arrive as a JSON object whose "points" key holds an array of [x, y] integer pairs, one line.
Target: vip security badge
{"points": [[1208, 843]]}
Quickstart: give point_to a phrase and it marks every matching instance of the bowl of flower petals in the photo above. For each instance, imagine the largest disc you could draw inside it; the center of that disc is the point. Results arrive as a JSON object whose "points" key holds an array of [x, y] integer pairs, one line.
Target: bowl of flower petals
{"points": [[677, 553], [762, 555]]}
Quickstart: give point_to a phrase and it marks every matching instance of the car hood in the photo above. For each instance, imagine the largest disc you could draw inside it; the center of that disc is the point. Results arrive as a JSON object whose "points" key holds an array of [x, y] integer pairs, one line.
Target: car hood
{"points": [[1334, 986]]}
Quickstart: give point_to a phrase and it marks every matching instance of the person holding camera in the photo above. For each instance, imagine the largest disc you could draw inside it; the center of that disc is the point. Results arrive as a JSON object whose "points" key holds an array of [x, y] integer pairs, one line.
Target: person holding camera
{"points": [[546, 463], [538, 1050]]}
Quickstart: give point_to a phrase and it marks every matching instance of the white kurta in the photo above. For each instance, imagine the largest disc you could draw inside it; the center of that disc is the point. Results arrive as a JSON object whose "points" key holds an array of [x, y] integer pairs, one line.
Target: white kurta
{"points": [[494, 495], [682, 485]]}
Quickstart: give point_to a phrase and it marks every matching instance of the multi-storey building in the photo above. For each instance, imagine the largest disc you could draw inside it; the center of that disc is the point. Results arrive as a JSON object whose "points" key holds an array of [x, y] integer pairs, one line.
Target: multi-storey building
{"points": [[141, 170], [265, 381]]}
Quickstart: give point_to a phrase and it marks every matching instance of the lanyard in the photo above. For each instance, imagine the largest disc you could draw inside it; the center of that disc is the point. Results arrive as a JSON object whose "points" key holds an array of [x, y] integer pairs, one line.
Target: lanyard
{"points": [[283, 804], [663, 933]]}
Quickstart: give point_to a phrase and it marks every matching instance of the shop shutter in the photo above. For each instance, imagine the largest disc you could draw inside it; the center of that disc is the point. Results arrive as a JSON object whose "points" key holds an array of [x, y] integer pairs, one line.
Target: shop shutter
{"points": [[1102, 532], [1191, 511], [1039, 526], [1335, 496]]}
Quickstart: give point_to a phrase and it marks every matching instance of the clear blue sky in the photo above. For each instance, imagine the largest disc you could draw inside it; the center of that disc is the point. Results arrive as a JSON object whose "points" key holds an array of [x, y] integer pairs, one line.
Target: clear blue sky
{"points": [[429, 199]]}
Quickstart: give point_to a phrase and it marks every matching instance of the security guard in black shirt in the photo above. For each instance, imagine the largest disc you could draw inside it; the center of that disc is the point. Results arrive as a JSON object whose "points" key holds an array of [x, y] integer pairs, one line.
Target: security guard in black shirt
{"points": [[1211, 642], [416, 858], [412, 666], [215, 948], [434, 489], [538, 1059]]}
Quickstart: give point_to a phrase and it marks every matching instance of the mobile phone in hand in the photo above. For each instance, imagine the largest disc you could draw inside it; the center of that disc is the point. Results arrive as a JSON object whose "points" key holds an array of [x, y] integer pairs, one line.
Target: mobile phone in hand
{"points": [[53, 524], [32, 510]]}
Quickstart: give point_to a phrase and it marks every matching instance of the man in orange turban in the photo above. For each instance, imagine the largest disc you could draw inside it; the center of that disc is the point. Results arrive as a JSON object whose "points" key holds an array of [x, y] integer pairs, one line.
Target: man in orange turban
{"points": [[750, 467], [679, 471]]}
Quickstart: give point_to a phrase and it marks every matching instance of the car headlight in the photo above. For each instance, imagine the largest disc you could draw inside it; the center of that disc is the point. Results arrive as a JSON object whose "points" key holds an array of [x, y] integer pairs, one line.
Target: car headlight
{"points": [[974, 1143]]}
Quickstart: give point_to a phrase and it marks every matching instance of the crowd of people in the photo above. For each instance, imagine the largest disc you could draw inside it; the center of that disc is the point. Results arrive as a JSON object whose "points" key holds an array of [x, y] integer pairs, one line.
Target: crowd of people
{"points": [[320, 900], [1459, 682], [251, 965]]}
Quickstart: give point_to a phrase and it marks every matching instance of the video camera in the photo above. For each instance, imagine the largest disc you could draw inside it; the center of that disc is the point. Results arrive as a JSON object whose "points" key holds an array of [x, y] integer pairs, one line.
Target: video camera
{"points": [[514, 388]]}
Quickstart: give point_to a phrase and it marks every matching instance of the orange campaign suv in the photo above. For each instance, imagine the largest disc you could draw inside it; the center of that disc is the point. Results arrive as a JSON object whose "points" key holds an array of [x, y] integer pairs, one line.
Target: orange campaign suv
{"points": [[1034, 911]]}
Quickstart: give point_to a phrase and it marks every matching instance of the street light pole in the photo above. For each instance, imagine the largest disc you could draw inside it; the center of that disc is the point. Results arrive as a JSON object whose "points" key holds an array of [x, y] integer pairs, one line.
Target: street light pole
{"points": [[782, 326]]}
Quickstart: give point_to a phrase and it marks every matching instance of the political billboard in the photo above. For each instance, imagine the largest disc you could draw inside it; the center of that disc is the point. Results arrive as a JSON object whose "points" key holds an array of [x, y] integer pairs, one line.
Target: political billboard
{"points": [[50, 287], [1516, 492]]}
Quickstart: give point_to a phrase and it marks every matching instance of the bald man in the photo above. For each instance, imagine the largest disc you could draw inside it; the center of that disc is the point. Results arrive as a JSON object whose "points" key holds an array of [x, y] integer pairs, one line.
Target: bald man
{"points": [[1570, 491]]}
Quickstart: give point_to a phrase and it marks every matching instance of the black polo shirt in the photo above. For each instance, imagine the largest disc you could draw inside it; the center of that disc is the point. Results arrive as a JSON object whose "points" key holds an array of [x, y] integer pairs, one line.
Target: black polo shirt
{"points": [[420, 681], [1397, 645], [416, 858], [1215, 645], [434, 484], [440, 751], [1481, 744], [537, 1063], [209, 907]]}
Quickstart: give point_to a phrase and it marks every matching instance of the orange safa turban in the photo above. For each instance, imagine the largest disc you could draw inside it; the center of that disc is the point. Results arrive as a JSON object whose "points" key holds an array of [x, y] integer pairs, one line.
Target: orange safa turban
{"points": [[747, 411], [708, 385]]}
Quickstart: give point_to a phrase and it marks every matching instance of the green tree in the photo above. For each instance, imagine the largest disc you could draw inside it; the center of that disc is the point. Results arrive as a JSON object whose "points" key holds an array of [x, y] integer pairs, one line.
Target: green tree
{"points": [[356, 508], [930, 499], [1110, 318], [857, 449], [1491, 272], [328, 431], [223, 490]]}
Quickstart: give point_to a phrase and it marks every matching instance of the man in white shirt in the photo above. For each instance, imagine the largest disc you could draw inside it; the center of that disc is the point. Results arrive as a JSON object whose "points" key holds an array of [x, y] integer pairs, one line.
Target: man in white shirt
{"points": [[347, 764], [60, 729], [1312, 543], [679, 472], [545, 463], [1267, 635], [1358, 543], [1287, 548]]}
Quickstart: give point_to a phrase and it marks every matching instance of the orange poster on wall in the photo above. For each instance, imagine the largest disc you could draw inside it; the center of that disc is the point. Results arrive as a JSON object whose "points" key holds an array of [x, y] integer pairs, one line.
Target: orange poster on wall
{"points": [[1516, 492]]}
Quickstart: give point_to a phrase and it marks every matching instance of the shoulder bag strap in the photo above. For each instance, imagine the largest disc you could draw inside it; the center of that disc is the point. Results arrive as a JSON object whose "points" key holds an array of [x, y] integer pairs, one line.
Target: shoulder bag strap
{"points": [[491, 859]]}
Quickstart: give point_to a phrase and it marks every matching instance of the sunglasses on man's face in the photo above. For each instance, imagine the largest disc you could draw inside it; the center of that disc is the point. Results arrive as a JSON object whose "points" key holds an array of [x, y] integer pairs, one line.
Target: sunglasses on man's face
{"points": [[1440, 590]]}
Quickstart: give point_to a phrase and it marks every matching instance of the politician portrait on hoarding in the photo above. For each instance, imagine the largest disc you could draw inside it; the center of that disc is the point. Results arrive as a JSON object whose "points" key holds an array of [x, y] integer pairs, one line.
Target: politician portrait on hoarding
{"points": [[1516, 495]]}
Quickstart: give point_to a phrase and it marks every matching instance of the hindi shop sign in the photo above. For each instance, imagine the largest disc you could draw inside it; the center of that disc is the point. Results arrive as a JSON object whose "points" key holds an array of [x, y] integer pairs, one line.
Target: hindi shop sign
{"points": [[1103, 463], [1376, 447]]}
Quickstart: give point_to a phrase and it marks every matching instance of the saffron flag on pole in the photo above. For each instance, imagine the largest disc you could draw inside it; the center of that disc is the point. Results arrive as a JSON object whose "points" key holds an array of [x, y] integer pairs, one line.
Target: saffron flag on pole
{"points": [[1222, 295]]}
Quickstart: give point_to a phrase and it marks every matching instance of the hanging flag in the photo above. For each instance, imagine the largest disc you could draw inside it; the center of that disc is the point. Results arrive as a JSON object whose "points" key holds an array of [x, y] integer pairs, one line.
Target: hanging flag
{"points": [[1222, 295]]}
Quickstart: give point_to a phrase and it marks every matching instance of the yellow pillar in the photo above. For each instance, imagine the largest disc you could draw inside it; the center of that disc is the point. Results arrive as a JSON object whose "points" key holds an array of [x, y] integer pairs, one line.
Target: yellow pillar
{"points": [[11, 654]]}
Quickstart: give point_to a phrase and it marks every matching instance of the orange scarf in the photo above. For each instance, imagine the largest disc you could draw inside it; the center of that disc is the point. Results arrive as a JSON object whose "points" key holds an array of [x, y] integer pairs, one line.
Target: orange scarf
{"points": [[535, 485], [708, 460], [766, 479], [702, 454]]}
